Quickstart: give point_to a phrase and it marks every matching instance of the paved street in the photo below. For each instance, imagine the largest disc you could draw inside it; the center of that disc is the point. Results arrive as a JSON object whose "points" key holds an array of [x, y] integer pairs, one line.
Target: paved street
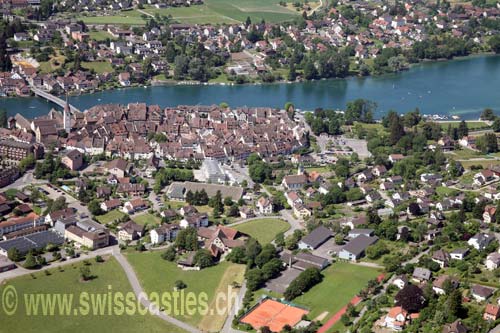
{"points": [[140, 294], [234, 311]]}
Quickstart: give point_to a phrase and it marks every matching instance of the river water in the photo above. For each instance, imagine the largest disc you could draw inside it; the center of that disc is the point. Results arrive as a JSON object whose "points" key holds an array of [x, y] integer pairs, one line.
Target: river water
{"points": [[462, 87]]}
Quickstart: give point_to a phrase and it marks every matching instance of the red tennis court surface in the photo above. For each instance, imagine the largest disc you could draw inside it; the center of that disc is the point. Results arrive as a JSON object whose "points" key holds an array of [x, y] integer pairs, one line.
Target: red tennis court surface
{"points": [[274, 315]]}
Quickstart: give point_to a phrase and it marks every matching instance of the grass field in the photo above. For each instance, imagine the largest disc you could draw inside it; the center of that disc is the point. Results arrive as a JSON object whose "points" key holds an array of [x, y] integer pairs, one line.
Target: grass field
{"points": [[472, 125], [131, 17], [211, 12], [98, 66], [147, 218], [68, 281], [100, 35], [465, 154], [263, 230], [341, 282], [156, 274], [110, 217], [484, 163]]}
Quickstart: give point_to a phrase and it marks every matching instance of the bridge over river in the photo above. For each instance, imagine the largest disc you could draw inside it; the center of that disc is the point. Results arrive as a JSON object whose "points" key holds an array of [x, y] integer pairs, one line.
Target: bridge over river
{"points": [[53, 99]]}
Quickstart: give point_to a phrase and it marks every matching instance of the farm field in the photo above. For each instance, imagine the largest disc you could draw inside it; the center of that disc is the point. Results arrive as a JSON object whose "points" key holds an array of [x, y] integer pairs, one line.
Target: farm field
{"points": [[68, 281], [263, 230], [211, 12], [158, 275], [341, 282]]}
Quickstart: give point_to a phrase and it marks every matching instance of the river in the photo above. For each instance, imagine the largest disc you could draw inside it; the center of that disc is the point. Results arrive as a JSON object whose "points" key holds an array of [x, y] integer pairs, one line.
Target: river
{"points": [[462, 87]]}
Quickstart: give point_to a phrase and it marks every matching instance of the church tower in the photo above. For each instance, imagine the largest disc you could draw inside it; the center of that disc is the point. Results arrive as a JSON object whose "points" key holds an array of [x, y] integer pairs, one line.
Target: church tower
{"points": [[67, 116], [300, 169]]}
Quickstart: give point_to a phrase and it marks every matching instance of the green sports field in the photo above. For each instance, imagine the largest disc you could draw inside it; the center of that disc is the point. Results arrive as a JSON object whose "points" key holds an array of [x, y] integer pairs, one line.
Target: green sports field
{"points": [[342, 281], [263, 230]]}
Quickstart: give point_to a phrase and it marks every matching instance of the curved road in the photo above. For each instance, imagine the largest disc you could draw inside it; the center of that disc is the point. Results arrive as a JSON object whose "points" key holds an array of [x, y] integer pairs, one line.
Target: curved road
{"points": [[141, 295]]}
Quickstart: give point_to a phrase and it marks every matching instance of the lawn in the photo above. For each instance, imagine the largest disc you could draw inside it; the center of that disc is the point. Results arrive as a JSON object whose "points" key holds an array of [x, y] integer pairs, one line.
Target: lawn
{"points": [[146, 218], [464, 154], [68, 281], [53, 64], [100, 35], [156, 274], [110, 217], [341, 282], [445, 191], [318, 169], [484, 163], [98, 66], [264, 230], [125, 18], [472, 125]]}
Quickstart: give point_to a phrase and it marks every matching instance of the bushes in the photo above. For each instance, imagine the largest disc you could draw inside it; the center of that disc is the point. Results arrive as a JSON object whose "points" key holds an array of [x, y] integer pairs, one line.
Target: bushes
{"points": [[305, 281]]}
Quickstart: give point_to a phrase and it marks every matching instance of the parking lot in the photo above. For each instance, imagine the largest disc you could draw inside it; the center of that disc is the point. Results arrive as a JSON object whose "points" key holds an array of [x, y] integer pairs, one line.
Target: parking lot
{"points": [[327, 249], [280, 283]]}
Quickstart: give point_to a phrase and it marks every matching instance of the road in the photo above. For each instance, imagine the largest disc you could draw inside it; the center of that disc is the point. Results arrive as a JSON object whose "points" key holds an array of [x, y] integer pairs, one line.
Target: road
{"points": [[234, 311], [141, 295], [25, 180]]}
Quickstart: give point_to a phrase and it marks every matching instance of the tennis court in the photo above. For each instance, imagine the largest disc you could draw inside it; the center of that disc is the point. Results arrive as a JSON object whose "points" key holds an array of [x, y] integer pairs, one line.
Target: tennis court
{"points": [[274, 315]]}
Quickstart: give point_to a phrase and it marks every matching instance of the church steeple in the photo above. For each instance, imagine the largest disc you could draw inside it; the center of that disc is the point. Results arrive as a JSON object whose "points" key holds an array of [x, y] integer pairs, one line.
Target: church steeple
{"points": [[67, 116]]}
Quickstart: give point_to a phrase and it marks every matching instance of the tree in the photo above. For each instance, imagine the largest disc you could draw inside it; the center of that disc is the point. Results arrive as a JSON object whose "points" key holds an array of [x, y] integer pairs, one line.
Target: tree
{"points": [[454, 305], [233, 210], [77, 64], [292, 74], [302, 283], [187, 239], [280, 239], [494, 43], [5, 63], [255, 279], [14, 254], [376, 250], [203, 258], [463, 129], [237, 255], [267, 253], [487, 114], [169, 254], [496, 125], [339, 239], [487, 143], [85, 273], [310, 71], [414, 208], [410, 298], [30, 261], [272, 268], [3, 118], [396, 131], [179, 284], [360, 110], [217, 204], [95, 207]]}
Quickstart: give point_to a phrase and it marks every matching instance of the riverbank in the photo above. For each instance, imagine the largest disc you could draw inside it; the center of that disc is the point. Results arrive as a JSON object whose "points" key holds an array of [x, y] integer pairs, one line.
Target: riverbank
{"points": [[462, 87]]}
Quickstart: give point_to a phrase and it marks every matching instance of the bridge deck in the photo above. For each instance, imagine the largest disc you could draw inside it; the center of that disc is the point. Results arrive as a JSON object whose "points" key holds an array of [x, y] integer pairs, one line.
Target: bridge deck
{"points": [[53, 99]]}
